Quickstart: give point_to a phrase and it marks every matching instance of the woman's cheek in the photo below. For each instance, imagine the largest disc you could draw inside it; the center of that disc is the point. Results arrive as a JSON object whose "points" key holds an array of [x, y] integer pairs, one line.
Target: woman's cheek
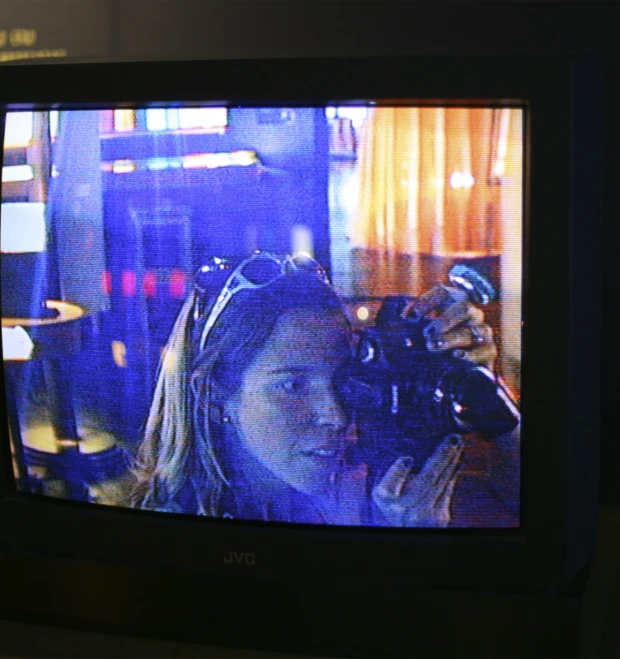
{"points": [[288, 408]]}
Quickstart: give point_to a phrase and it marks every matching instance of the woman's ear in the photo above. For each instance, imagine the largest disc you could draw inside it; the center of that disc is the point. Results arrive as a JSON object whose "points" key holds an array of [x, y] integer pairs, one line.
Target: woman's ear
{"points": [[229, 409], [221, 408]]}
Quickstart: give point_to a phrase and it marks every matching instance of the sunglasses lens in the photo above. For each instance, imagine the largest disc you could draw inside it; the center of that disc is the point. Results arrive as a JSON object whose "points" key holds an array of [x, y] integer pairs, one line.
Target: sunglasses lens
{"points": [[306, 263], [213, 273], [262, 271]]}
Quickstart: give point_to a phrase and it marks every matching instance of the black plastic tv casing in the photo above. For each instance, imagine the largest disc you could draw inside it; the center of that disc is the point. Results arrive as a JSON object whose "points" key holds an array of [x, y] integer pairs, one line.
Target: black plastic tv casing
{"points": [[563, 142]]}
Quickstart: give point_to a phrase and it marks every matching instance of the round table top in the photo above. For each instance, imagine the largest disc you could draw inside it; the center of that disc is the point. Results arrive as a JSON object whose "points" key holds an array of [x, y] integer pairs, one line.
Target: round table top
{"points": [[67, 311]]}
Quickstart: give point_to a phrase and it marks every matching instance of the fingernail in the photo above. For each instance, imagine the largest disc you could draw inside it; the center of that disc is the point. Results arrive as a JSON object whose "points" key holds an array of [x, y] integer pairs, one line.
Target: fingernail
{"points": [[434, 344], [407, 461], [458, 354]]}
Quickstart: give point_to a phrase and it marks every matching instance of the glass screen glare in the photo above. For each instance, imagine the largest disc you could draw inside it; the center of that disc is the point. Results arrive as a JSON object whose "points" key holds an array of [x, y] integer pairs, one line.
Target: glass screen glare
{"points": [[308, 315]]}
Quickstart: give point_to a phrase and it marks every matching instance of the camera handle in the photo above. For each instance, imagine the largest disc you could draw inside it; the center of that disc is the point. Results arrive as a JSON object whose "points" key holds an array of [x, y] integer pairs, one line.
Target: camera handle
{"points": [[478, 289]]}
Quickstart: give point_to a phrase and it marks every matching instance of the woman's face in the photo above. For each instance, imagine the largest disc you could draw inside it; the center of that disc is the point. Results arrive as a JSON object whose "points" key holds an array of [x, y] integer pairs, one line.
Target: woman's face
{"points": [[286, 413]]}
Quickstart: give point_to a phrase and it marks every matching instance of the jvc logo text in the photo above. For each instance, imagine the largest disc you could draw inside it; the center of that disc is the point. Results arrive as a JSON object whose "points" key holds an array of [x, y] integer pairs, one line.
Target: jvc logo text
{"points": [[240, 558]]}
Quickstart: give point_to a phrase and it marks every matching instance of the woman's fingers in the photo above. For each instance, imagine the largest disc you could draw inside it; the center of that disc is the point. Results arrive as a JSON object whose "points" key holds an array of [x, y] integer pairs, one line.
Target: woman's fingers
{"points": [[485, 355], [447, 478], [399, 483], [457, 314], [460, 327], [441, 466], [431, 300], [445, 496], [421, 499], [392, 483], [472, 343], [464, 336]]}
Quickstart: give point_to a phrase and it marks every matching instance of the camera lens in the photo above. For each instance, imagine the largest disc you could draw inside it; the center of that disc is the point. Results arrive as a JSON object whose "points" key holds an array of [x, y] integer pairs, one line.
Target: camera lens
{"points": [[366, 352]]}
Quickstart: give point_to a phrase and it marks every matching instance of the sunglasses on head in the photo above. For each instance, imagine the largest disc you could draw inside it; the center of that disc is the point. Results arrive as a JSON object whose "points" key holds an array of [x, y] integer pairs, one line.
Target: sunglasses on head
{"points": [[257, 271]]}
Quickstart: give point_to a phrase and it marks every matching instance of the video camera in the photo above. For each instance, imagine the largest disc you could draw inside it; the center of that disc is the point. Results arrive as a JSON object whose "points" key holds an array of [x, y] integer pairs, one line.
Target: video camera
{"points": [[407, 399]]}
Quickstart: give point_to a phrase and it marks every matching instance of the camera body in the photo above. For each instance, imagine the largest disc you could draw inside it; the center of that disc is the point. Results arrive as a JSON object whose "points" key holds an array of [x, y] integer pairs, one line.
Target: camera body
{"points": [[405, 398]]}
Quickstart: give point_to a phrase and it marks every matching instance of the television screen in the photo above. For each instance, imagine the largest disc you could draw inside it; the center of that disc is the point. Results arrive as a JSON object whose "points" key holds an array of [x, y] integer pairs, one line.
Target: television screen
{"points": [[304, 315]]}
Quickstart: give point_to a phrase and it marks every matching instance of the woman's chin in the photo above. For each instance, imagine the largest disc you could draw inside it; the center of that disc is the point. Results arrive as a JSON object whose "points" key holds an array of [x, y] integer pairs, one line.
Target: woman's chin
{"points": [[310, 475], [315, 484]]}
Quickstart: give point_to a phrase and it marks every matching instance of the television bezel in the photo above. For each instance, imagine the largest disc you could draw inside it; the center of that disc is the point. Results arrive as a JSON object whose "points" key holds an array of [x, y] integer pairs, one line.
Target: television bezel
{"points": [[561, 331]]}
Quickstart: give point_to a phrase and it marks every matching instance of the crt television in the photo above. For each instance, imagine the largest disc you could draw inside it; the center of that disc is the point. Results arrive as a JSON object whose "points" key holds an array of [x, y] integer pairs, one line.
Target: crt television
{"points": [[451, 203]]}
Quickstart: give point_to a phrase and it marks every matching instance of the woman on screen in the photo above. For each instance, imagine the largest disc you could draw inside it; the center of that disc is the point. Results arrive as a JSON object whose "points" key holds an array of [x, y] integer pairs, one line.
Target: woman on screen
{"points": [[249, 424]]}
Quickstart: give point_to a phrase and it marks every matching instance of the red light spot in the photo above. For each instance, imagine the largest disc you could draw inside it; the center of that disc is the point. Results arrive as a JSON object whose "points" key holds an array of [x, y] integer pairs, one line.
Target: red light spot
{"points": [[128, 283], [106, 282], [177, 283], [150, 284]]}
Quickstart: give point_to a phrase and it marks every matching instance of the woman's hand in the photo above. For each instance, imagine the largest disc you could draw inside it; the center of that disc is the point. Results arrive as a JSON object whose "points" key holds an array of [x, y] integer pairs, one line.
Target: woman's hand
{"points": [[458, 328], [423, 499]]}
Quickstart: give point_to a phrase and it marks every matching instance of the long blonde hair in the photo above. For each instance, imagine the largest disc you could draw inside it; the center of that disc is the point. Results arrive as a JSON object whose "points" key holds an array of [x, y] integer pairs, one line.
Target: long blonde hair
{"points": [[182, 443]]}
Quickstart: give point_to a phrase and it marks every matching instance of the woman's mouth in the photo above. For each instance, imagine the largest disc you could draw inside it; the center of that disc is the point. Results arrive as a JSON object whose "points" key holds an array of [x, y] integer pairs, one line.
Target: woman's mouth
{"points": [[323, 452]]}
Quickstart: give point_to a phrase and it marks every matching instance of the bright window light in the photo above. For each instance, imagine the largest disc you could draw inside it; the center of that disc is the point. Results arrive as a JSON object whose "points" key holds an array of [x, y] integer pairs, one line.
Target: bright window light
{"points": [[203, 118], [156, 119], [173, 118], [186, 118], [18, 130], [22, 227], [15, 173], [357, 115], [16, 344], [54, 115], [124, 120]]}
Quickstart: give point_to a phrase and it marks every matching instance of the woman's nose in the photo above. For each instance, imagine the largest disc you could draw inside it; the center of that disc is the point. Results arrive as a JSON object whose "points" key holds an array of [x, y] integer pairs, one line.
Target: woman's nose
{"points": [[328, 410]]}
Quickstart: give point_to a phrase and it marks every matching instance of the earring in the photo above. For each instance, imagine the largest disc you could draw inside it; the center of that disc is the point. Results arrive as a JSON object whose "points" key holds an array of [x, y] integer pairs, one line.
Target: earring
{"points": [[217, 416]]}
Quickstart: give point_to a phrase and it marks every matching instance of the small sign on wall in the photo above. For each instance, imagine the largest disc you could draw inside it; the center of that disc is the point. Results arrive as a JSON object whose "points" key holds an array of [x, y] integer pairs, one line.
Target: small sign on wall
{"points": [[35, 30]]}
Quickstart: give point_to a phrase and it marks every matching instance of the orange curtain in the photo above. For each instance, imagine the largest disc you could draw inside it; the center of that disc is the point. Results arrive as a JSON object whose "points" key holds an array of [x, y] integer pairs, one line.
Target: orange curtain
{"points": [[427, 181]]}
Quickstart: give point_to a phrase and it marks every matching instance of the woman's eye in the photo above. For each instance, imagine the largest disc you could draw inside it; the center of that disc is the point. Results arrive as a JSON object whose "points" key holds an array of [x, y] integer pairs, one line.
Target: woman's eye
{"points": [[293, 385]]}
